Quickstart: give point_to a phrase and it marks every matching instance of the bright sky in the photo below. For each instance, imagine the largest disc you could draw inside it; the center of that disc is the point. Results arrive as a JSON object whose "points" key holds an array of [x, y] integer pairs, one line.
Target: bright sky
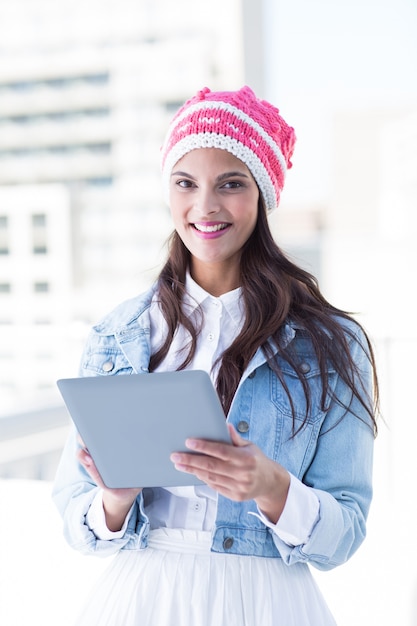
{"points": [[361, 46], [329, 54]]}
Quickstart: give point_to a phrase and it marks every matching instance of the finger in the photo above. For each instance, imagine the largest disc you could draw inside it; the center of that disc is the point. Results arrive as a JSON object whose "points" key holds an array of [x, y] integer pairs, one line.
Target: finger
{"points": [[237, 440], [214, 472], [197, 462], [233, 487], [87, 462], [81, 443], [229, 458], [84, 457], [218, 482], [216, 449]]}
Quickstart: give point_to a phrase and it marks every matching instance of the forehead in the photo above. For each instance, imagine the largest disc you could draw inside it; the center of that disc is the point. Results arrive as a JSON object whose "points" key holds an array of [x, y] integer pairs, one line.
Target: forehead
{"points": [[211, 159]]}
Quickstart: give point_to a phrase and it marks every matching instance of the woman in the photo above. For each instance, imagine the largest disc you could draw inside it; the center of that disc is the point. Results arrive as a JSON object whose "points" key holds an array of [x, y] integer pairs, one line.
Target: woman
{"points": [[296, 379]]}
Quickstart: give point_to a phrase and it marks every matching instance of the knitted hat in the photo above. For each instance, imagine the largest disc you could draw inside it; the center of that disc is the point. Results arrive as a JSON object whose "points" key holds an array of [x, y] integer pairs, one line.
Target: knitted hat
{"points": [[237, 121]]}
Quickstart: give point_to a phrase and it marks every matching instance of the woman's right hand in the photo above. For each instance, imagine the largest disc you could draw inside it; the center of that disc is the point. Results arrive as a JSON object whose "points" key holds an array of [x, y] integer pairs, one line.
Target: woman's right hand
{"points": [[116, 502]]}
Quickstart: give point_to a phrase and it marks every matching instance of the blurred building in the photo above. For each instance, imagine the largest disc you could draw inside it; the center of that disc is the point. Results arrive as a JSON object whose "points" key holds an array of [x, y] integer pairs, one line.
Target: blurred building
{"points": [[35, 287], [86, 94], [370, 224]]}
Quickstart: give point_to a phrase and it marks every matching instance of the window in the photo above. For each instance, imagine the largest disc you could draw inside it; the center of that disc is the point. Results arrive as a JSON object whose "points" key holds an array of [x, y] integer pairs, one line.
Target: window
{"points": [[100, 181], [4, 234], [39, 233], [61, 149], [173, 106], [39, 219], [60, 82], [41, 287], [64, 115], [39, 248]]}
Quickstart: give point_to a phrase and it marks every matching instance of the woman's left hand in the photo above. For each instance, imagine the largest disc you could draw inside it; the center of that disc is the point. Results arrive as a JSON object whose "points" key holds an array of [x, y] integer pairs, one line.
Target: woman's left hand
{"points": [[239, 471]]}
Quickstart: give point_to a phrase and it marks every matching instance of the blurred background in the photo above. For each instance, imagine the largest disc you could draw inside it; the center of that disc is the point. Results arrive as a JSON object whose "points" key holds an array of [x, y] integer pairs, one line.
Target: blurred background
{"points": [[87, 90]]}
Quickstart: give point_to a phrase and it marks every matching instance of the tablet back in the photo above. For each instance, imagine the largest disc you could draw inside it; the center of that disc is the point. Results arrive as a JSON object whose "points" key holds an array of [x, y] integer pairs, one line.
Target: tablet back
{"points": [[132, 423]]}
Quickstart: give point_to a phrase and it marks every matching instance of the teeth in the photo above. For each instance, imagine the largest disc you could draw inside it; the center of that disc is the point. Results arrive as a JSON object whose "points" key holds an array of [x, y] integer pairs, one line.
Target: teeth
{"points": [[210, 229]]}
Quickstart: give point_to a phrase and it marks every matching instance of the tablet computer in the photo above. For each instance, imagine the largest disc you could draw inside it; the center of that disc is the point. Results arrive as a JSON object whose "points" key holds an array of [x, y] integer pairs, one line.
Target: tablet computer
{"points": [[132, 423]]}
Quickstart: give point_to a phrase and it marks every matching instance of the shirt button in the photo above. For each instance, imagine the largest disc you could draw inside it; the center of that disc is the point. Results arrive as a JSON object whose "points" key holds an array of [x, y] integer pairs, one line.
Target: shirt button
{"points": [[108, 366], [197, 506], [243, 426], [252, 374], [227, 543], [305, 368], [210, 336]]}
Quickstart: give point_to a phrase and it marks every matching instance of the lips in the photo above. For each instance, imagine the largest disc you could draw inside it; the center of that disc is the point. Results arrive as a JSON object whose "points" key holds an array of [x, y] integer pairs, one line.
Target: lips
{"points": [[210, 227]]}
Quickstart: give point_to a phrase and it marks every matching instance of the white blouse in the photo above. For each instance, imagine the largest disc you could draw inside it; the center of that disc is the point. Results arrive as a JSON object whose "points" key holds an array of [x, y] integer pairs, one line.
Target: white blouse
{"points": [[195, 507]]}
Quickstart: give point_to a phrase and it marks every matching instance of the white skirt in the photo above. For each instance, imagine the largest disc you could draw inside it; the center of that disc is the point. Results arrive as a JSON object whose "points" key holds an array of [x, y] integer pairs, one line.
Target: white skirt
{"points": [[178, 581]]}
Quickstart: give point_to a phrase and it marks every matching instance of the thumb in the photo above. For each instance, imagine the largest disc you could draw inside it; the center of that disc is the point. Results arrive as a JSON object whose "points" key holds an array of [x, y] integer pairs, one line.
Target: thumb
{"points": [[237, 440]]}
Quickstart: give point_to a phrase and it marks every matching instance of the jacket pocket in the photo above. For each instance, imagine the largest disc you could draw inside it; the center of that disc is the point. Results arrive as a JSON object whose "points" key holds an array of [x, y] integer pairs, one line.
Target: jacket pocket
{"points": [[298, 407], [106, 362], [298, 430]]}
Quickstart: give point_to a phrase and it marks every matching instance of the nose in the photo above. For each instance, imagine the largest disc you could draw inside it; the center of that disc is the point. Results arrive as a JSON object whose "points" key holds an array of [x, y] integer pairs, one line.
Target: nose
{"points": [[206, 202]]}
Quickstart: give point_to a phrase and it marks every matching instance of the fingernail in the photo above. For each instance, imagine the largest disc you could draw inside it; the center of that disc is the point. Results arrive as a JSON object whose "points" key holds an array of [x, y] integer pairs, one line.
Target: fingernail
{"points": [[191, 443]]}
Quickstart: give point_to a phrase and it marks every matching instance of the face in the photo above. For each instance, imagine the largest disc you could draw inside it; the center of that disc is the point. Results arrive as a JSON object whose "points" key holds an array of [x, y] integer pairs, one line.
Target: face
{"points": [[214, 206]]}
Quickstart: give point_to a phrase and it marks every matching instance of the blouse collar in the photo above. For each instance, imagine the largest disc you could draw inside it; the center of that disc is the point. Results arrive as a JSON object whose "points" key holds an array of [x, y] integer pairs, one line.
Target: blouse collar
{"points": [[232, 301]]}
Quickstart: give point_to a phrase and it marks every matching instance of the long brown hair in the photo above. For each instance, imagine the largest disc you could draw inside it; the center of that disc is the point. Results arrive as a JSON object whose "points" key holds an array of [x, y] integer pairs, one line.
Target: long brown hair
{"points": [[275, 291]]}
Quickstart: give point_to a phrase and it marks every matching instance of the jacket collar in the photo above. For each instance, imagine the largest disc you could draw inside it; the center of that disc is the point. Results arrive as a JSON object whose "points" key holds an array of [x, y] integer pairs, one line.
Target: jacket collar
{"points": [[130, 325]]}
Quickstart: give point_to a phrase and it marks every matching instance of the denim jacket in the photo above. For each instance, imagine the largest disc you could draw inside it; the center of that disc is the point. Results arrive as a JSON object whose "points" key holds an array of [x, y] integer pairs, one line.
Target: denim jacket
{"points": [[331, 455]]}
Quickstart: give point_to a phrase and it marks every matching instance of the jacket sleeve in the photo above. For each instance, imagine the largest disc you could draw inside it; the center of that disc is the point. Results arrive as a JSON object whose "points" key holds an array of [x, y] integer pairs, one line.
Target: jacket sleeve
{"points": [[340, 475], [73, 492]]}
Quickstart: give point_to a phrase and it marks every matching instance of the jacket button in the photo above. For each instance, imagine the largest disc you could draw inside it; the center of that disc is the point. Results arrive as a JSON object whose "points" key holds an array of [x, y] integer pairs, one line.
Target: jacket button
{"points": [[305, 368], [108, 366], [242, 426], [227, 543], [252, 374]]}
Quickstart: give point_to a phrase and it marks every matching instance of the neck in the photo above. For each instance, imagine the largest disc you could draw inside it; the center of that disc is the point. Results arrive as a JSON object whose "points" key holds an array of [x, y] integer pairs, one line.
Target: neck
{"points": [[214, 279]]}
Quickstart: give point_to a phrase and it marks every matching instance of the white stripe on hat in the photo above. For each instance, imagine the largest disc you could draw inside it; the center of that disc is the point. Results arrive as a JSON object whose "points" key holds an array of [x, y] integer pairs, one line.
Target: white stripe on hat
{"points": [[235, 147]]}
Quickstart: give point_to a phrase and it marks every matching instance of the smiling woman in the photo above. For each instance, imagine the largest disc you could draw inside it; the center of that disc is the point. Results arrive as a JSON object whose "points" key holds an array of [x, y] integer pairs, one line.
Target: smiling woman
{"points": [[296, 379], [214, 207]]}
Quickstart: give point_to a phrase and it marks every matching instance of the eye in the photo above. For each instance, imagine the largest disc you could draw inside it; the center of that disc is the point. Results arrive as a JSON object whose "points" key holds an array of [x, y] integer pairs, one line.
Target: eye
{"points": [[184, 183], [232, 184]]}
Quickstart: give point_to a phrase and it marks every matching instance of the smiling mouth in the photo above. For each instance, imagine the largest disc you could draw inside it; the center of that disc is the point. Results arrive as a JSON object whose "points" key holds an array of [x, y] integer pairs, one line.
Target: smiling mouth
{"points": [[210, 228]]}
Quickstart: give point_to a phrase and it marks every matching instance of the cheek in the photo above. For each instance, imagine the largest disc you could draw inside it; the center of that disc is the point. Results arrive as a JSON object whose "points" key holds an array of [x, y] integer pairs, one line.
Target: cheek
{"points": [[179, 223], [176, 213], [252, 219], [179, 205], [252, 208]]}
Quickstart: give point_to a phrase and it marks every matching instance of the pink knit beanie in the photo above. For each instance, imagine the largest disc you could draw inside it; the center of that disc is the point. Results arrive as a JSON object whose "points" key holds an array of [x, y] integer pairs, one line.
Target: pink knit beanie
{"points": [[237, 121]]}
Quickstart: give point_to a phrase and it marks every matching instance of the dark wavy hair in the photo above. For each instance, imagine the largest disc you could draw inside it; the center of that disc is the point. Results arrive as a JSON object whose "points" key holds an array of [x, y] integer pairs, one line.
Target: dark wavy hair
{"points": [[275, 290]]}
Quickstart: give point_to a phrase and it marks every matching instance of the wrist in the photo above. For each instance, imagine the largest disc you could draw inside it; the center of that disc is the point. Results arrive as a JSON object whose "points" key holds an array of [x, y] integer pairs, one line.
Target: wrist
{"points": [[116, 498], [272, 502], [115, 510]]}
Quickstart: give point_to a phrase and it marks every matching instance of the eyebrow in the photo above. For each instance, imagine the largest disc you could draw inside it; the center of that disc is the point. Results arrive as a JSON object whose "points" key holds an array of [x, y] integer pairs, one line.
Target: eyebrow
{"points": [[218, 179]]}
